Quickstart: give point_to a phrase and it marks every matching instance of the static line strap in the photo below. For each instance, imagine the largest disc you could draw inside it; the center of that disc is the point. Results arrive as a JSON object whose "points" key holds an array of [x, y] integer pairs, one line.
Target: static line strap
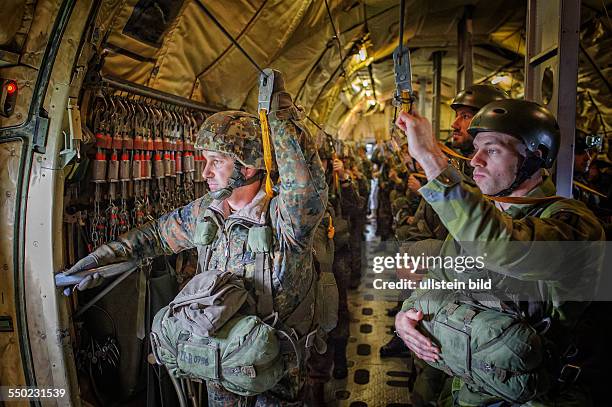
{"points": [[331, 231], [406, 101], [453, 153], [511, 199], [586, 188], [523, 199], [265, 135]]}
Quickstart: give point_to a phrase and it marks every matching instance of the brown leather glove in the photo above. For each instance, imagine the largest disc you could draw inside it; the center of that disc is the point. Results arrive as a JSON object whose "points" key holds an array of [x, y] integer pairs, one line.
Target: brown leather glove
{"points": [[280, 98]]}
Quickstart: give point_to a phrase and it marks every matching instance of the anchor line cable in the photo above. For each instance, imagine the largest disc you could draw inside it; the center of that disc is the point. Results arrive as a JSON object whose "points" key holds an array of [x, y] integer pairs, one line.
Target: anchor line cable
{"points": [[401, 28], [237, 45], [365, 23], [401, 47], [337, 36], [229, 36]]}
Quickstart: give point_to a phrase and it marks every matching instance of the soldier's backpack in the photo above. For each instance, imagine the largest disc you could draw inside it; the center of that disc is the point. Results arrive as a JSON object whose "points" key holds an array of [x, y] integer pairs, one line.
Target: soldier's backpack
{"points": [[495, 352], [244, 354]]}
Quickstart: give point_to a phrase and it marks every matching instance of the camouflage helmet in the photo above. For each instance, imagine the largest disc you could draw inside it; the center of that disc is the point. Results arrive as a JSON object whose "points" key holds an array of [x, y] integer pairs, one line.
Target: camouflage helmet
{"points": [[477, 96], [235, 133]]}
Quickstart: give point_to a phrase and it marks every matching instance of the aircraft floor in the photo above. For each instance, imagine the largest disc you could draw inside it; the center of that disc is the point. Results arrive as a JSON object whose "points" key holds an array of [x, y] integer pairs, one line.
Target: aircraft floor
{"points": [[372, 381]]}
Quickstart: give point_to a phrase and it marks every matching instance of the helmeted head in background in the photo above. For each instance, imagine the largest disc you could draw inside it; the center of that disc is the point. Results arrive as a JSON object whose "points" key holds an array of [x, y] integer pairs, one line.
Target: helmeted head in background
{"points": [[582, 153], [233, 148], [466, 104], [514, 139]]}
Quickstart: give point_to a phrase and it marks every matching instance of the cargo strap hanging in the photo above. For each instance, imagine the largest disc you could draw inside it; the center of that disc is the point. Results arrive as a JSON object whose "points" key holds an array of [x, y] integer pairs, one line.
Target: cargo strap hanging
{"points": [[331, 231], [265, 134], [266, 87], [449, 151], [589, 189]]}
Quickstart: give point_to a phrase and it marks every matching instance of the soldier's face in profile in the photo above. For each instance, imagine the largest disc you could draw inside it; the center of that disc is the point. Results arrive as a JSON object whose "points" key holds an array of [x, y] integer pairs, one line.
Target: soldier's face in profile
{"points": [[218, 169], [495, 161], [582, 162], [463, 118]]}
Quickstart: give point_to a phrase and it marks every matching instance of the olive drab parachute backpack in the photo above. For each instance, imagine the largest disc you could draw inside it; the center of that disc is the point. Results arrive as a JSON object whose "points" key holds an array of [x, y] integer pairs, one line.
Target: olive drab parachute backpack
{"points": [[214, 329], [495, 352], [326, 307], [244, 355]]}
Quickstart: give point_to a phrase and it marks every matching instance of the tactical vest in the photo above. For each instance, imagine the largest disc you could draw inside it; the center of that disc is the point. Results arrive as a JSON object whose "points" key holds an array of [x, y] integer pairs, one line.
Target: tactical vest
{"points": [[249, 353]]}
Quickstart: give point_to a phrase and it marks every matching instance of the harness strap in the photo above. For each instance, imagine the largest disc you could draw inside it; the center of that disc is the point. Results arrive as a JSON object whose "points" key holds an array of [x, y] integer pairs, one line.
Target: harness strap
{"points": [[267, 149], [589, 189], [523, 199], [263, 284], [449, 151]]}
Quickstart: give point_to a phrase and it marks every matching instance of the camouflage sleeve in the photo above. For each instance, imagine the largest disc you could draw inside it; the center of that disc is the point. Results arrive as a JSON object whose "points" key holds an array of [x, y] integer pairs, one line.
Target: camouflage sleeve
{"points": [[177, 228], [171, 233], [303, 191], [480, 228]]}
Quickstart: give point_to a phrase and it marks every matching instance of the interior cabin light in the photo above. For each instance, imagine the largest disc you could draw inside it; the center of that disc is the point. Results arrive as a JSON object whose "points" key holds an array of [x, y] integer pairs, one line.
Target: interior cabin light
{"points": [[366, 83], [368, 92], [363, 53], [371, 103], [356, 87], [499, 79]]}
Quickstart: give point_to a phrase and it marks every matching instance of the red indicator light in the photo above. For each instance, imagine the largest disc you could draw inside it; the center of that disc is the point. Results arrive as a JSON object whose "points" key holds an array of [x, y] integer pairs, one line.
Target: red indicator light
{"points": [[11, 88]]}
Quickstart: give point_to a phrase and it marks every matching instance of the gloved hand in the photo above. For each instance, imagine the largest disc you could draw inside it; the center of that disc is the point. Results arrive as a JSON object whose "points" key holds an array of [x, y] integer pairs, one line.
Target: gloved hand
{"points": [[102, 256], [280, 98], [92, 280], [279, 81]]}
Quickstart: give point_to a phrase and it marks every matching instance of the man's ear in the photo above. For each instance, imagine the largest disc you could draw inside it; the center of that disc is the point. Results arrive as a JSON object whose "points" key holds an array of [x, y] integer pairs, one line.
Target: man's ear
{"points": [[248, 172]]}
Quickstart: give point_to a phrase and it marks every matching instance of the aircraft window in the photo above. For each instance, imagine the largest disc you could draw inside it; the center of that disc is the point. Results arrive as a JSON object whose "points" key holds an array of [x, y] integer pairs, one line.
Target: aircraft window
{"points": [[150, 19]]}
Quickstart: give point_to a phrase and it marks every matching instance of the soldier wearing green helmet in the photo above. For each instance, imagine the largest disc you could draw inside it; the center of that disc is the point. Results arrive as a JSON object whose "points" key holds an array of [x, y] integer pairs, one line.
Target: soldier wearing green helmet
{"points": [[515, 141], [466, 104], [425, 224]]}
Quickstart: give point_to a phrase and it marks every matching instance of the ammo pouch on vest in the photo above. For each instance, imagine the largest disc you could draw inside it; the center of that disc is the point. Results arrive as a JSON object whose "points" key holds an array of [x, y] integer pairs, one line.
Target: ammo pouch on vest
{"points": [[208, 301], [492, 351], [326, 306], [342, 234], [244, 355]]}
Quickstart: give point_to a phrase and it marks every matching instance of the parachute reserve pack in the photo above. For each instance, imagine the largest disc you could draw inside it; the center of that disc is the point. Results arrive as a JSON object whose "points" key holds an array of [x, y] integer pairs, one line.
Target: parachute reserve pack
{"points": [[211, 331], [496, 352]]}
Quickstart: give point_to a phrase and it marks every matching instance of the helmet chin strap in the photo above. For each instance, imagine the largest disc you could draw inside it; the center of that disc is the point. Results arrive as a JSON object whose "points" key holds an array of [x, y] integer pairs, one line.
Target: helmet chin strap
{"points": [[236, 180], [528, 167]]}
